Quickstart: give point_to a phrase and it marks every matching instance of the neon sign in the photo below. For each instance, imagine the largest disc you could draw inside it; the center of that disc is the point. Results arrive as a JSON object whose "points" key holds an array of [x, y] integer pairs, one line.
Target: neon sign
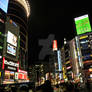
{"points": [[11, 63], [82, 24]]}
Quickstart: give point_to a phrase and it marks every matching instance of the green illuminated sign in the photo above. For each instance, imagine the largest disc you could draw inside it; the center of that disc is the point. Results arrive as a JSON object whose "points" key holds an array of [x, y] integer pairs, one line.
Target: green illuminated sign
{"points": [[1, 47], [82, 24]]}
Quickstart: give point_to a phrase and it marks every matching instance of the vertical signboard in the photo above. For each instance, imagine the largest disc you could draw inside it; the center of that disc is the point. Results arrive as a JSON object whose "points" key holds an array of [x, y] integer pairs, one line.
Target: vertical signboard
{"points": [[59, 63], [59, 60], [79, 51], [82, 24], [54, 45]]}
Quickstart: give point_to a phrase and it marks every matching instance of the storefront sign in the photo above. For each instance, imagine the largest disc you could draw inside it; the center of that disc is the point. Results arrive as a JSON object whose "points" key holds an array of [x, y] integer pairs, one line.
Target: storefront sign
{"points": [[22, 71], [11, 63], [9, 77], [20, 76], [16, 75], [10, 68]]}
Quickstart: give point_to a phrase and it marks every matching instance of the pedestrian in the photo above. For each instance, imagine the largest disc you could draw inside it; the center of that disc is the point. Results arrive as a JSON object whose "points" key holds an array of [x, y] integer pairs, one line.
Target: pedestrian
{"points": [[47, 86], [57, 88], [39, 89]]}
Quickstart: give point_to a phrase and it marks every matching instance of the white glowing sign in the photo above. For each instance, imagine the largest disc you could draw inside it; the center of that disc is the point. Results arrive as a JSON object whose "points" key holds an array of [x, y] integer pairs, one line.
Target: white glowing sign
{"points": [[22, 71], [12, 39], [11, 63]]}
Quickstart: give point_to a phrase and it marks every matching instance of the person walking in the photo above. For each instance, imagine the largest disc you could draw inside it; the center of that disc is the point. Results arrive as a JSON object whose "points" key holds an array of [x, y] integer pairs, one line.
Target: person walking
{"points": [[47, 86]]}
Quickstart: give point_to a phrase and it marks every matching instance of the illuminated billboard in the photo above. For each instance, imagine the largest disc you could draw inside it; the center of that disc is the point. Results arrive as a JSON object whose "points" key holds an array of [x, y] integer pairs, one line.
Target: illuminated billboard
{"points": [[54, 45], [4, 5], [11, 49], [11, 43], [12, 39], [59, 63], [82, 24]]}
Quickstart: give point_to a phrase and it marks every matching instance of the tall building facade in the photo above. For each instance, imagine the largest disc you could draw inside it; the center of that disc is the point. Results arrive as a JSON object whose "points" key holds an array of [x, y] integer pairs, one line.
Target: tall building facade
{"points": [[19, 12], [85, 41], [68, 63], [77, 58], [14, 40]]}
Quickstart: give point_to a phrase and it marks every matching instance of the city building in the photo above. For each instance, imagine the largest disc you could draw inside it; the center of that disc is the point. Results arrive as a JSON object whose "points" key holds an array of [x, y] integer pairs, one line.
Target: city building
{"points": [[77, 58], [63, 64], [74, 60], [14, 16], [19, 12], [67, 61], [85, 41]]}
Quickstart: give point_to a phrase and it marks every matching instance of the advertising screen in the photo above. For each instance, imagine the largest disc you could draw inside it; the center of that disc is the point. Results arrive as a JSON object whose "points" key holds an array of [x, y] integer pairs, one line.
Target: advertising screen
{"points": [[82, 24], [11, 49], [12, 39], [9, 77], [4, 5]]}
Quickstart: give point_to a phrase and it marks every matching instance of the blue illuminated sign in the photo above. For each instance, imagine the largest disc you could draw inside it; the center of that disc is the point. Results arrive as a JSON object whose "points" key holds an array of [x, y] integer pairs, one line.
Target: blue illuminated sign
{"points": [[14, 23], [4, 5], [59, 60], [59, 63], [87, 57]]}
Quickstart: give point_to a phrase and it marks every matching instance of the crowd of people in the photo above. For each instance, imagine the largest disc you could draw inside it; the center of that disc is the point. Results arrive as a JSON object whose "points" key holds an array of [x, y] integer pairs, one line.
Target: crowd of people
{"points": [[64, 87], [47, 87]]}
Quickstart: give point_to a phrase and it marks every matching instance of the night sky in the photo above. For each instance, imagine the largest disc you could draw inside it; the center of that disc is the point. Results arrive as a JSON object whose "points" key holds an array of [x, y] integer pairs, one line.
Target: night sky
{"points": [[51, 18]]}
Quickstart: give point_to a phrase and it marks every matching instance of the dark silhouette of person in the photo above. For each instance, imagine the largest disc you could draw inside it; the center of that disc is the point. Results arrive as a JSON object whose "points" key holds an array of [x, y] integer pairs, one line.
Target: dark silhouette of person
{"points": [[47, 86]]}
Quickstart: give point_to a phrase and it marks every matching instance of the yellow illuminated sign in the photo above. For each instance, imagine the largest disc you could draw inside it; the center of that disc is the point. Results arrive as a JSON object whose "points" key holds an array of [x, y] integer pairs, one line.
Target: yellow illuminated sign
{"points": [[78, 49], [0, 74], [90, 69], [91, 55], [67, 62], [82, 37]]}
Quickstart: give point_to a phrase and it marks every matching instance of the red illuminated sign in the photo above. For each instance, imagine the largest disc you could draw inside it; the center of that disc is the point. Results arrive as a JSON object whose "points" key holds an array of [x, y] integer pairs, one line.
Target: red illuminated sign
{"points": [[25, 76], [3, 62], [54, 45], [7, 71], [90, 61], [18, 67], [9, 65], [20, 76]]}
